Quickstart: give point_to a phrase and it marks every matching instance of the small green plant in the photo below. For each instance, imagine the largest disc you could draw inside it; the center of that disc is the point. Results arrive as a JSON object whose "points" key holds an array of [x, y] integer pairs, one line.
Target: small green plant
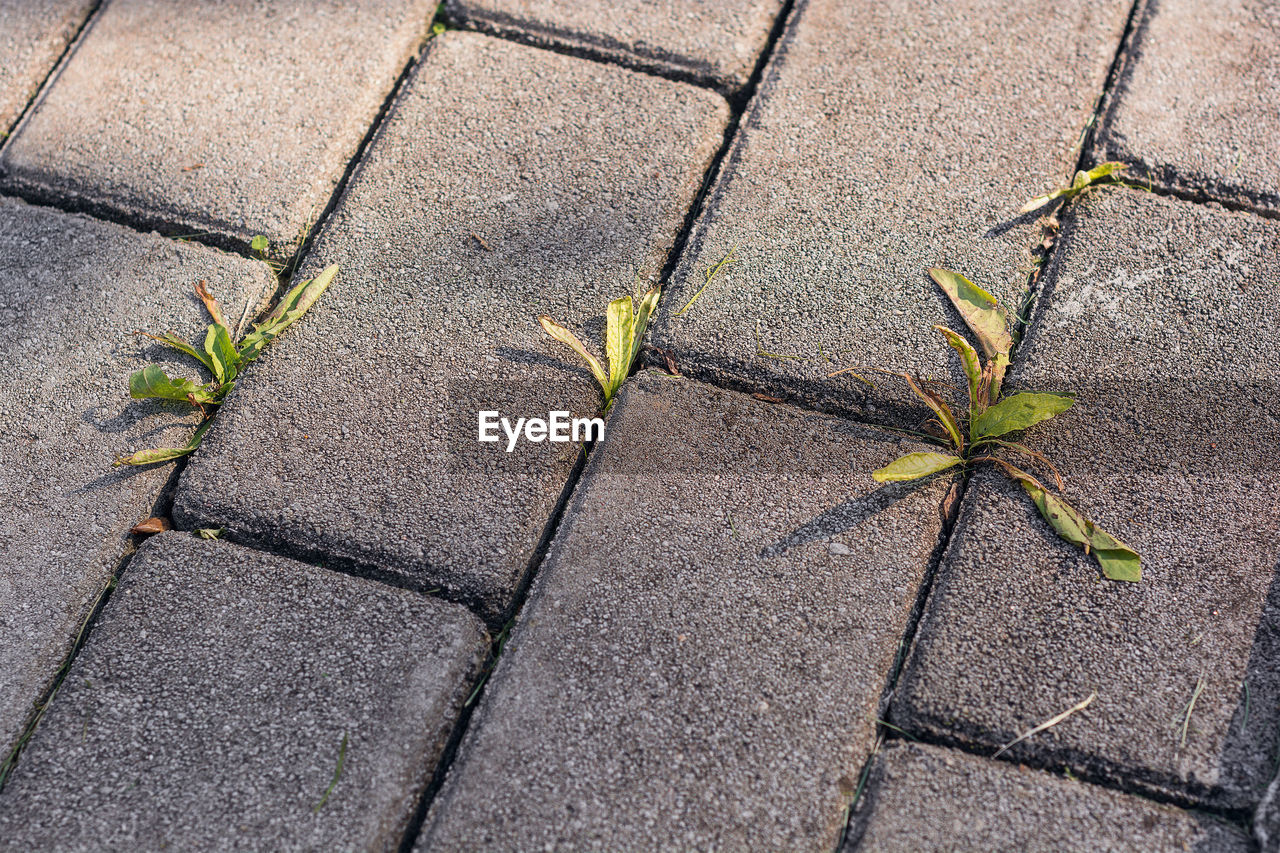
{"points": [[221, 357], [992, 417], [625, 325], [1104, 173]]}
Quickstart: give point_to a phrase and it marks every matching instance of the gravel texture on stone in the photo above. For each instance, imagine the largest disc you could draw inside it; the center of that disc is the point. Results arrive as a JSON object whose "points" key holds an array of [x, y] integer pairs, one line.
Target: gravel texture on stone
{"points": [[231, 119], [702, 656], [1162, 315], [1197, 106], [886, 138], [209, 709], [33, 34], [72, 292], [924, 798], [707, 41], [508, 182]]}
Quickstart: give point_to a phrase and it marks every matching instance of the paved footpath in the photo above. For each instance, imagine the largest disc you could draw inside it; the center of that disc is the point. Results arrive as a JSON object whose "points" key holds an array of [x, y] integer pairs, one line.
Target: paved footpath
{"points": [[710, 629]]}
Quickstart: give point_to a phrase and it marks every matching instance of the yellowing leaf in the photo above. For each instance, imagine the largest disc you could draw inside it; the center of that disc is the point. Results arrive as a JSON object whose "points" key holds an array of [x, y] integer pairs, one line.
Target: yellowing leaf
{"points": [[210, 304], [972, 368], [617, 341], [1081, 182], [913, 466], [1119, 562], [644, 313], [941, 409], [165, 454], [564, 336], [1018, 412], [980, 310]]}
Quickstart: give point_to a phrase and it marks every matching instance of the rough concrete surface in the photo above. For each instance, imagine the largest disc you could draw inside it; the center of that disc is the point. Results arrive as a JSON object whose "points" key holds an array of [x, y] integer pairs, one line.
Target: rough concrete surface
{"points": [[208, 710], [925, 798], [508, 182], [886, 138], [72, 292], [235, 118], [33, 34], [1197, 108], [702, 656], [1177, 459], [708, 41]]}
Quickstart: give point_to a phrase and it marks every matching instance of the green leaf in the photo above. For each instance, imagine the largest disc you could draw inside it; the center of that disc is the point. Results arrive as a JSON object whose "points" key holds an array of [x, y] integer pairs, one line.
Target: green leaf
{"points": [[291, 307], [1081, 182], [1119, 562], [972, 368], [164, 454], [259, 243], [210, 532], [222, 353], [617, 340], [1018, 412], [913, 466], [568, 338], [151, 381], [644, 313], [174, 342]]}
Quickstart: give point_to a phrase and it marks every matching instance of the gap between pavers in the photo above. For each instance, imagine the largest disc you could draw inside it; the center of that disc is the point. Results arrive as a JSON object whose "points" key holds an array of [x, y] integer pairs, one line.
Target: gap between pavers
{"points": [[1197, 107], [708, 42], [507, 182], [701, 659], [72, 292], [33, 34], [211, 705], [223, 119], [1162, 316], [922, 797], [885, 138]]}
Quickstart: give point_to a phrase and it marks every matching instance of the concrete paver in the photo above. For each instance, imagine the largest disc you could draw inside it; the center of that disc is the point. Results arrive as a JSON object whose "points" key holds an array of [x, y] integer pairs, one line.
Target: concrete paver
{"points": [[508, 182], [1197, 108], [1175, 458], [210, 707], [72, 291], [885, 138], [702, 655], [708, 41], [925, 798], [231, 119], [33, 34]]}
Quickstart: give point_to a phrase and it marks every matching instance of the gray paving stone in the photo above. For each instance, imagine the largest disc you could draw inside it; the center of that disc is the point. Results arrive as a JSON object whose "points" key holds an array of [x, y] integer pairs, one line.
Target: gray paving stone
{"points": [[231, 119], [33, 34], [355, 441], [886, 138], [707, 41], [1162, 315], [209, 709], [1197, 108], [72, 292], [926, 798], [702, 656]]}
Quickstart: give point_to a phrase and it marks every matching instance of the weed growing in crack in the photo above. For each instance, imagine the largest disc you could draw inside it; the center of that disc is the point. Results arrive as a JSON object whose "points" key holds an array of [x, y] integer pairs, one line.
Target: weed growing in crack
{"points": [[624, 333], [990, 417], [1103, 174], [221, 357]]}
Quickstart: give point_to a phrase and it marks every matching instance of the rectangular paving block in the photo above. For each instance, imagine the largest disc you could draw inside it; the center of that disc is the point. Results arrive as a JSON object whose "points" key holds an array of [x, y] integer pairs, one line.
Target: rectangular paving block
{"points": [[886, 138], [508, 182], [33, 34], [231, 699], [1162, 315], [1197, 106], [924, 798], [72, 293], [702, 656], [231, 119], [706, 41]]}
